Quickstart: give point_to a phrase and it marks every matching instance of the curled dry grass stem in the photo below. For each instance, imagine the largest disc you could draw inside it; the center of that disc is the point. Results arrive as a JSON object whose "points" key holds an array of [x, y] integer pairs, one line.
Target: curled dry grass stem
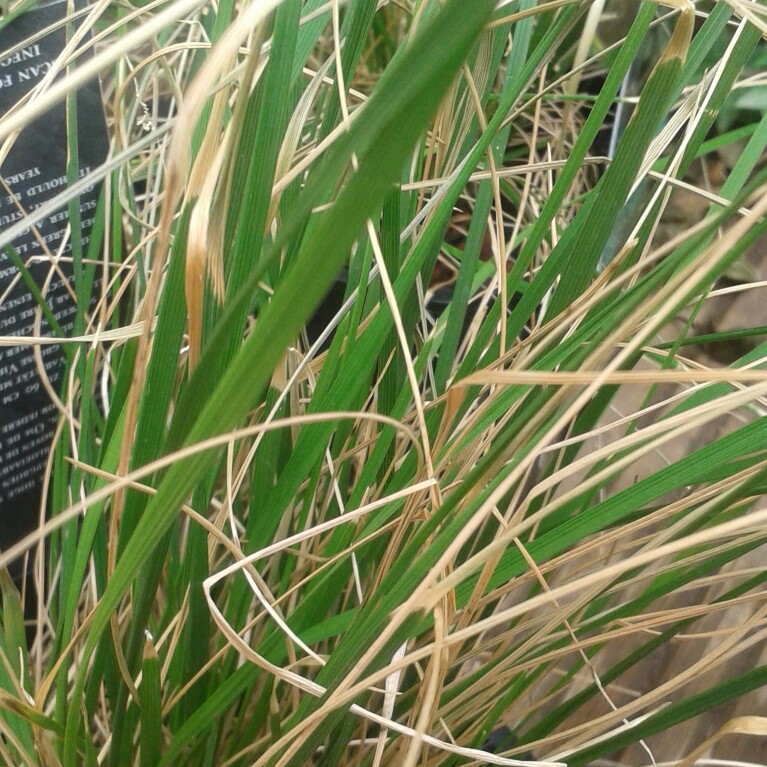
{"points": [[122, 482]]}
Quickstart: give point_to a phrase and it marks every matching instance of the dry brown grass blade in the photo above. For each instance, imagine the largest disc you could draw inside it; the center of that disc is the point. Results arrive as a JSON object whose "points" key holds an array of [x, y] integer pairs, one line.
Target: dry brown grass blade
{"points": [[583, 377], [742, 725], [204, 245]]}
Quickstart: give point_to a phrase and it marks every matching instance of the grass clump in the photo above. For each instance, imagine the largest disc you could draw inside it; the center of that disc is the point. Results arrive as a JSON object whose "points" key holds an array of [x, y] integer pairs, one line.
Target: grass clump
{"points": [[391, 432]]}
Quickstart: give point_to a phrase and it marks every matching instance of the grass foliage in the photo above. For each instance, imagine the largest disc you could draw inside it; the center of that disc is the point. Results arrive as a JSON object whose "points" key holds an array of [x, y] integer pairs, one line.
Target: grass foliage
{"points": [[403, 434]]}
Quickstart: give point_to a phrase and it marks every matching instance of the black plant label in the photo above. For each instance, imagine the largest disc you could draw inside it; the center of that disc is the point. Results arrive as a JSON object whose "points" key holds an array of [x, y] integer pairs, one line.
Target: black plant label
{"points": [[32, 173]]}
